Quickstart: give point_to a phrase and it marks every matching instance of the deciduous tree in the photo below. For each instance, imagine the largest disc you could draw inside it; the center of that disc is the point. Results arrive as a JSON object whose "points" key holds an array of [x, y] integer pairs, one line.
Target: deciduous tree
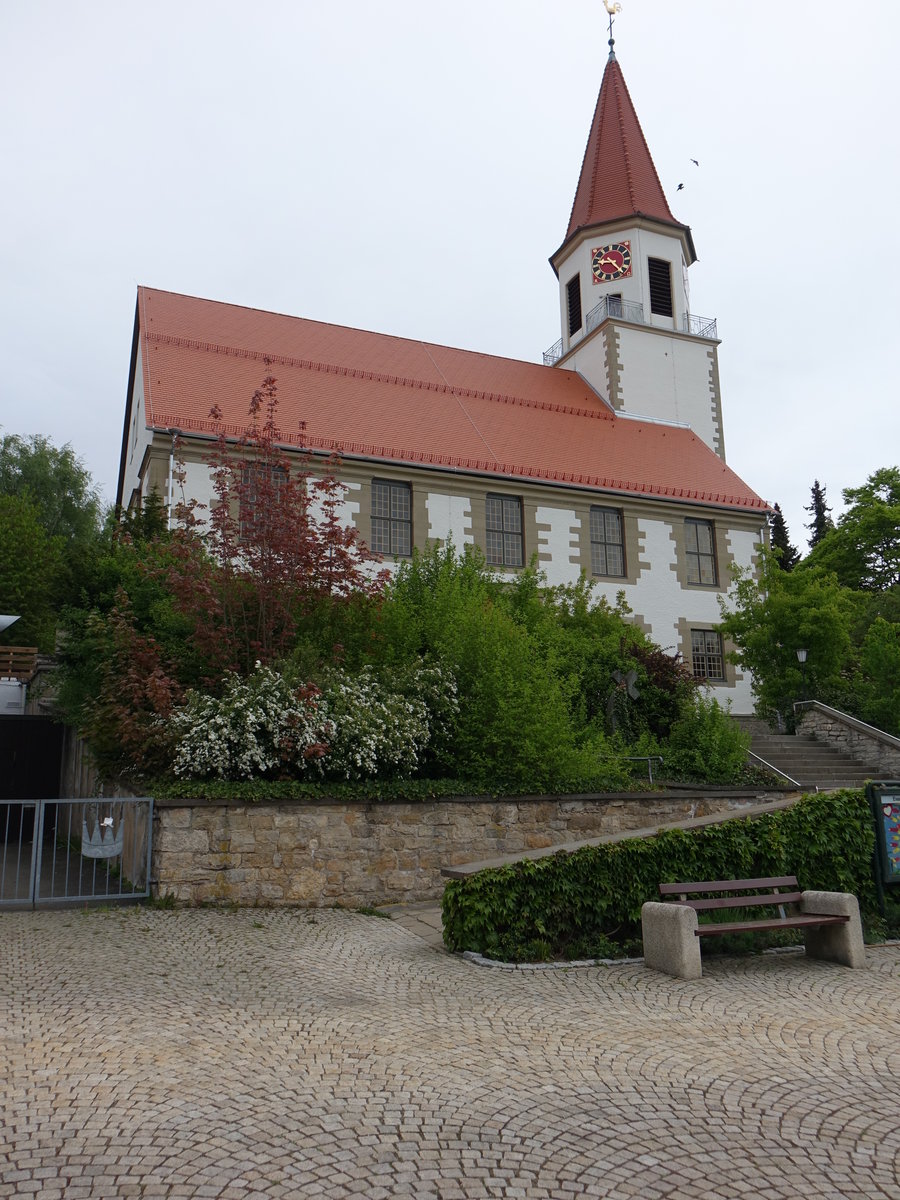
{"points": [[864, 548], [773, 615]]}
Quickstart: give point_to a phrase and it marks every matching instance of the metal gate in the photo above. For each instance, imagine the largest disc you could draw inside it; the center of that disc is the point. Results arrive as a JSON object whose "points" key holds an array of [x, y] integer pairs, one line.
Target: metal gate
{"points": [[56, 852]]}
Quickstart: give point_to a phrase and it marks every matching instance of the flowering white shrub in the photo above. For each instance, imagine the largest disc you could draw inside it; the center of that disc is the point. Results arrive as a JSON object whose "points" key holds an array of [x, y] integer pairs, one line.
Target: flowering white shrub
{"points": [[260, 726], [361, 728], [384, 727]]}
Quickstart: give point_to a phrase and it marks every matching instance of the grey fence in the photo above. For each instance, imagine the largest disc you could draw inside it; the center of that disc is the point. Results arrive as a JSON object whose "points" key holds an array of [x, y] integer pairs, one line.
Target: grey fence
{"points": [[57, 852]]}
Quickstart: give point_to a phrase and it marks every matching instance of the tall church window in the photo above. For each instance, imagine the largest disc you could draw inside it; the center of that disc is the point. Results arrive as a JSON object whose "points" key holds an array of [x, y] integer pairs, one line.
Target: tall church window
{"points": [[259, 495], [504, 531], [660, 286], [573, 300], [607, 544], [707, 657], [700, 548], [391, 517]]}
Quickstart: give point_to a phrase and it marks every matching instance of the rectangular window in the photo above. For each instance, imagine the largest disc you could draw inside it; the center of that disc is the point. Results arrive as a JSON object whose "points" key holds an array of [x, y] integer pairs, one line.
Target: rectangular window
{"points": [[707, 659], [614, 304], [700, 546], [391, 517], [573, 299], [607, 542], [504, 531], [259, 496], [660, 286]]}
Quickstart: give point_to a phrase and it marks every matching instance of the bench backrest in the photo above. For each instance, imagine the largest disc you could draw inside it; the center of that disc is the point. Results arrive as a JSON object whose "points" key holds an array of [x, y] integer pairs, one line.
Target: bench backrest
{"points": [[723, 893]]}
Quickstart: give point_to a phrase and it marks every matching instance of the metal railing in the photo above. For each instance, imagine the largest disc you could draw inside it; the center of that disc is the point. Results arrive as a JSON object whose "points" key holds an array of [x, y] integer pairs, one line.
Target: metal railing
{"points": [[75, 851], [629, 310], [554, 354], [775, 770], [614, 306], [649, 759], [705, 327]]}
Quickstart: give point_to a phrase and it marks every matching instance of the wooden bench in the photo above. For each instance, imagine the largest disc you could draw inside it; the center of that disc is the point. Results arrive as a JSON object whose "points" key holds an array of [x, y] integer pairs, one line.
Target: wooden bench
{"points": [[672, 931]]}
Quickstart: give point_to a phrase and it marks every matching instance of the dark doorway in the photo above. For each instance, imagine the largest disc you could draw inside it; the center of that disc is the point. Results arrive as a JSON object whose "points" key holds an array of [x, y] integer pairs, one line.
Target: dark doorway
{"points": [[30, 758]]}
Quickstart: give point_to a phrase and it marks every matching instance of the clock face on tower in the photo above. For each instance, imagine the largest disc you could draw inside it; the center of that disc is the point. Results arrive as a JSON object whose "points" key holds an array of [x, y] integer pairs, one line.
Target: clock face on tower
{"points": [[611, 262]]}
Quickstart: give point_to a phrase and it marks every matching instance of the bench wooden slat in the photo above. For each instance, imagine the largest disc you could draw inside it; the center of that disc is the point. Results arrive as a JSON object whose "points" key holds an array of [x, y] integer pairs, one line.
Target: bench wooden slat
{"points": [[768, 901], [726, 885], [770, 923]]}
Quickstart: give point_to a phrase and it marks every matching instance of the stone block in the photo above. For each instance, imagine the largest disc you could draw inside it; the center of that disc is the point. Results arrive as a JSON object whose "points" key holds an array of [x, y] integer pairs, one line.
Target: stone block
{"points": [[837, 943], [538, 841], [270, 891], [183, 841], [242, 840], [305, 886], [217, 862], [671, 944], [401, 881], [176, 818]]}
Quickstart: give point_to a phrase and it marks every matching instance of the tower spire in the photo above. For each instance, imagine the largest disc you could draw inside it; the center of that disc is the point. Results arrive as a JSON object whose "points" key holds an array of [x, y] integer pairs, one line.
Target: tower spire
{"points": [[618, 179]]}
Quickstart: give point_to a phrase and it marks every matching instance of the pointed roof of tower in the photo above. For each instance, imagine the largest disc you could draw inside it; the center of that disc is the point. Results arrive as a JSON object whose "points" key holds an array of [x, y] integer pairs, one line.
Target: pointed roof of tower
{"points": [[618, 178]]}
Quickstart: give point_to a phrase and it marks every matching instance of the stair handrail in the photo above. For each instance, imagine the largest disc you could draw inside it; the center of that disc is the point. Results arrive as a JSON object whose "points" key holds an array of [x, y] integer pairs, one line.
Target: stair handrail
{"points": [[777, 770]]}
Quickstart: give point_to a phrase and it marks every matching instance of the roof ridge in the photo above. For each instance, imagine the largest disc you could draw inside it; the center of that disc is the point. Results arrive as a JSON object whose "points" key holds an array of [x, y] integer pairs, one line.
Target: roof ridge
{"points": [[287, 360], [490, 466]]}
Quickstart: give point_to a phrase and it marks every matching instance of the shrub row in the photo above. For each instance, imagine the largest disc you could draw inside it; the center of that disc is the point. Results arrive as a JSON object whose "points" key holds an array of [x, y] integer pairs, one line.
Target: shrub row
{"points": [[587, 904]]}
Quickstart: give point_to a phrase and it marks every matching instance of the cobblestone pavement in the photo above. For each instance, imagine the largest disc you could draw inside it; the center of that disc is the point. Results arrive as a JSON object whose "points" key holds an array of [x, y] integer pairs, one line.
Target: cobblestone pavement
{"points": [[262, 1054]]}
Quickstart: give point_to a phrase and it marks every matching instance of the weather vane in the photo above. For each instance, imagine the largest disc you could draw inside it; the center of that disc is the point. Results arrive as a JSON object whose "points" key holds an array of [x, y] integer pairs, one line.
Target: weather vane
{"points": [[612, 8]]}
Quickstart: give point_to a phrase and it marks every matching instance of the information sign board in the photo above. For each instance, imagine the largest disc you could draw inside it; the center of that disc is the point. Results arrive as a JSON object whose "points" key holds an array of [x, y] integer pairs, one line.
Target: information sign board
{"points": [[884, 800]]}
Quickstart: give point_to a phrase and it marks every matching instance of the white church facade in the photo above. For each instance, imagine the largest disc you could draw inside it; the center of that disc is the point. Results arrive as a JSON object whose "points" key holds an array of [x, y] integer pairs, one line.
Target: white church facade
{"points": [[606, 460]]}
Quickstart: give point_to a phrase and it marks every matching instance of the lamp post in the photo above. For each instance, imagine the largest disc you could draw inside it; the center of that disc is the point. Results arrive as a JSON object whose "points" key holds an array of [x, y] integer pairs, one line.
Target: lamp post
{"points": [[801, 658]]}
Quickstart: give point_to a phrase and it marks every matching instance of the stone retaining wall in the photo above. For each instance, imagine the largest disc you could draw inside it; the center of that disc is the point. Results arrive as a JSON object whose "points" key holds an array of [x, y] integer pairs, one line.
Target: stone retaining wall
{"points": [[863, 742], [377, 853]]}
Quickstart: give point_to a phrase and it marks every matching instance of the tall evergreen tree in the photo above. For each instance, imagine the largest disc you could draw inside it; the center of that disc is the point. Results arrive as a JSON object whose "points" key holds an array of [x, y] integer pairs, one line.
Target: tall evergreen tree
{"points": [[821, 515], [781, 541]]}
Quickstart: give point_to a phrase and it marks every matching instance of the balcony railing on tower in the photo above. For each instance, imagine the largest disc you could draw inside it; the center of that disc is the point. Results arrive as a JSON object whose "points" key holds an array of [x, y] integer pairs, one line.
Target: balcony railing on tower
{"points": [[628, 310]]}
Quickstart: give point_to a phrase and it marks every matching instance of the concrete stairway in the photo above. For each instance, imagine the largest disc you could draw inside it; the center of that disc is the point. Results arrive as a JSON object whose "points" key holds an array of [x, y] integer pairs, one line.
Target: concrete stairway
{"points": [[813, 764]]}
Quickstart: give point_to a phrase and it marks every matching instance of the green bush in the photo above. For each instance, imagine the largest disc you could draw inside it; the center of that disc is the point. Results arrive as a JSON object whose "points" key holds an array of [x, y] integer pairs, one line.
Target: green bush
{"points": [[705, 743], [594, 896]]}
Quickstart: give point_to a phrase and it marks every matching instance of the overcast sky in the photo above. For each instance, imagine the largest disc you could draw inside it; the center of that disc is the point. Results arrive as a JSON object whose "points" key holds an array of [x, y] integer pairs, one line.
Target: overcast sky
{"points": [[409, 167]]}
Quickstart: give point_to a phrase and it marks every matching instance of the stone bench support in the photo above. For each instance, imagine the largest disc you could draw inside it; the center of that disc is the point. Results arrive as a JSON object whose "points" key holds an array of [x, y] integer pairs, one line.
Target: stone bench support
{"points": [[836, 943], [671, 944]]}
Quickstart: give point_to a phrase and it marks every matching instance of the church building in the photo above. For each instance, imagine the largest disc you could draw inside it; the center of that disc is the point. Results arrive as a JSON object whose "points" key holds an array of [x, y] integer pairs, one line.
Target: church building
{"points": [[607, 459]]}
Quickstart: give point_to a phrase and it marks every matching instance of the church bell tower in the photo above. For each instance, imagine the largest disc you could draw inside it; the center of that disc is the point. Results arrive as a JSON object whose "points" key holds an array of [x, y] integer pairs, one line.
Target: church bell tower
{"points": [[623, 281]]}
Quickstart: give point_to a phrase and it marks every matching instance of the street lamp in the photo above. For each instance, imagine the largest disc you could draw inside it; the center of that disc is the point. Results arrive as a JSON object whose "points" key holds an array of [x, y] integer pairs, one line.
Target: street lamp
{"points": [[801, 658]]}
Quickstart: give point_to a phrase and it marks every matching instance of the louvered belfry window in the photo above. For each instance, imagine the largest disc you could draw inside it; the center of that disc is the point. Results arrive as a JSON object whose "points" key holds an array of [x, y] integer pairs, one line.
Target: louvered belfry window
{"points": [[573, 300], [660, 286], [391, 517], [503, 535]]}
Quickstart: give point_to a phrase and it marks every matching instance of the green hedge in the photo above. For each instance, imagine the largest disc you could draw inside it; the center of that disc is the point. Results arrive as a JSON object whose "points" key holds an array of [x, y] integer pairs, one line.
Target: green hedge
{"points": [[588, 904]]}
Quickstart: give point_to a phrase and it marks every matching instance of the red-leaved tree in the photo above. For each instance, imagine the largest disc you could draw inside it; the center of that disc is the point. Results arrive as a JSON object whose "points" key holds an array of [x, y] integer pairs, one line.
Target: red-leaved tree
{"points": [[273, 551]]}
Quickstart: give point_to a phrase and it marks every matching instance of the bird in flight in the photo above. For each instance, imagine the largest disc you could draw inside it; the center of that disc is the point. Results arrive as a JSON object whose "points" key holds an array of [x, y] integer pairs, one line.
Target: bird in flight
{"points": [[694, 161], [680, 187]]}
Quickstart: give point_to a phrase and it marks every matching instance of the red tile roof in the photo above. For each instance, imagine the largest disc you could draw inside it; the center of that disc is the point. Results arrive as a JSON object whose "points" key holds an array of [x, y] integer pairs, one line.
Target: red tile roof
{"points": [[618, 178], [393, 399]]}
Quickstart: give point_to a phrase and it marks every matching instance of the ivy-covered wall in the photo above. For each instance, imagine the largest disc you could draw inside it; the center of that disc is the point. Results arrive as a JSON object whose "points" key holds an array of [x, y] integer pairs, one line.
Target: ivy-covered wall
{"points": [[588, 903]]}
